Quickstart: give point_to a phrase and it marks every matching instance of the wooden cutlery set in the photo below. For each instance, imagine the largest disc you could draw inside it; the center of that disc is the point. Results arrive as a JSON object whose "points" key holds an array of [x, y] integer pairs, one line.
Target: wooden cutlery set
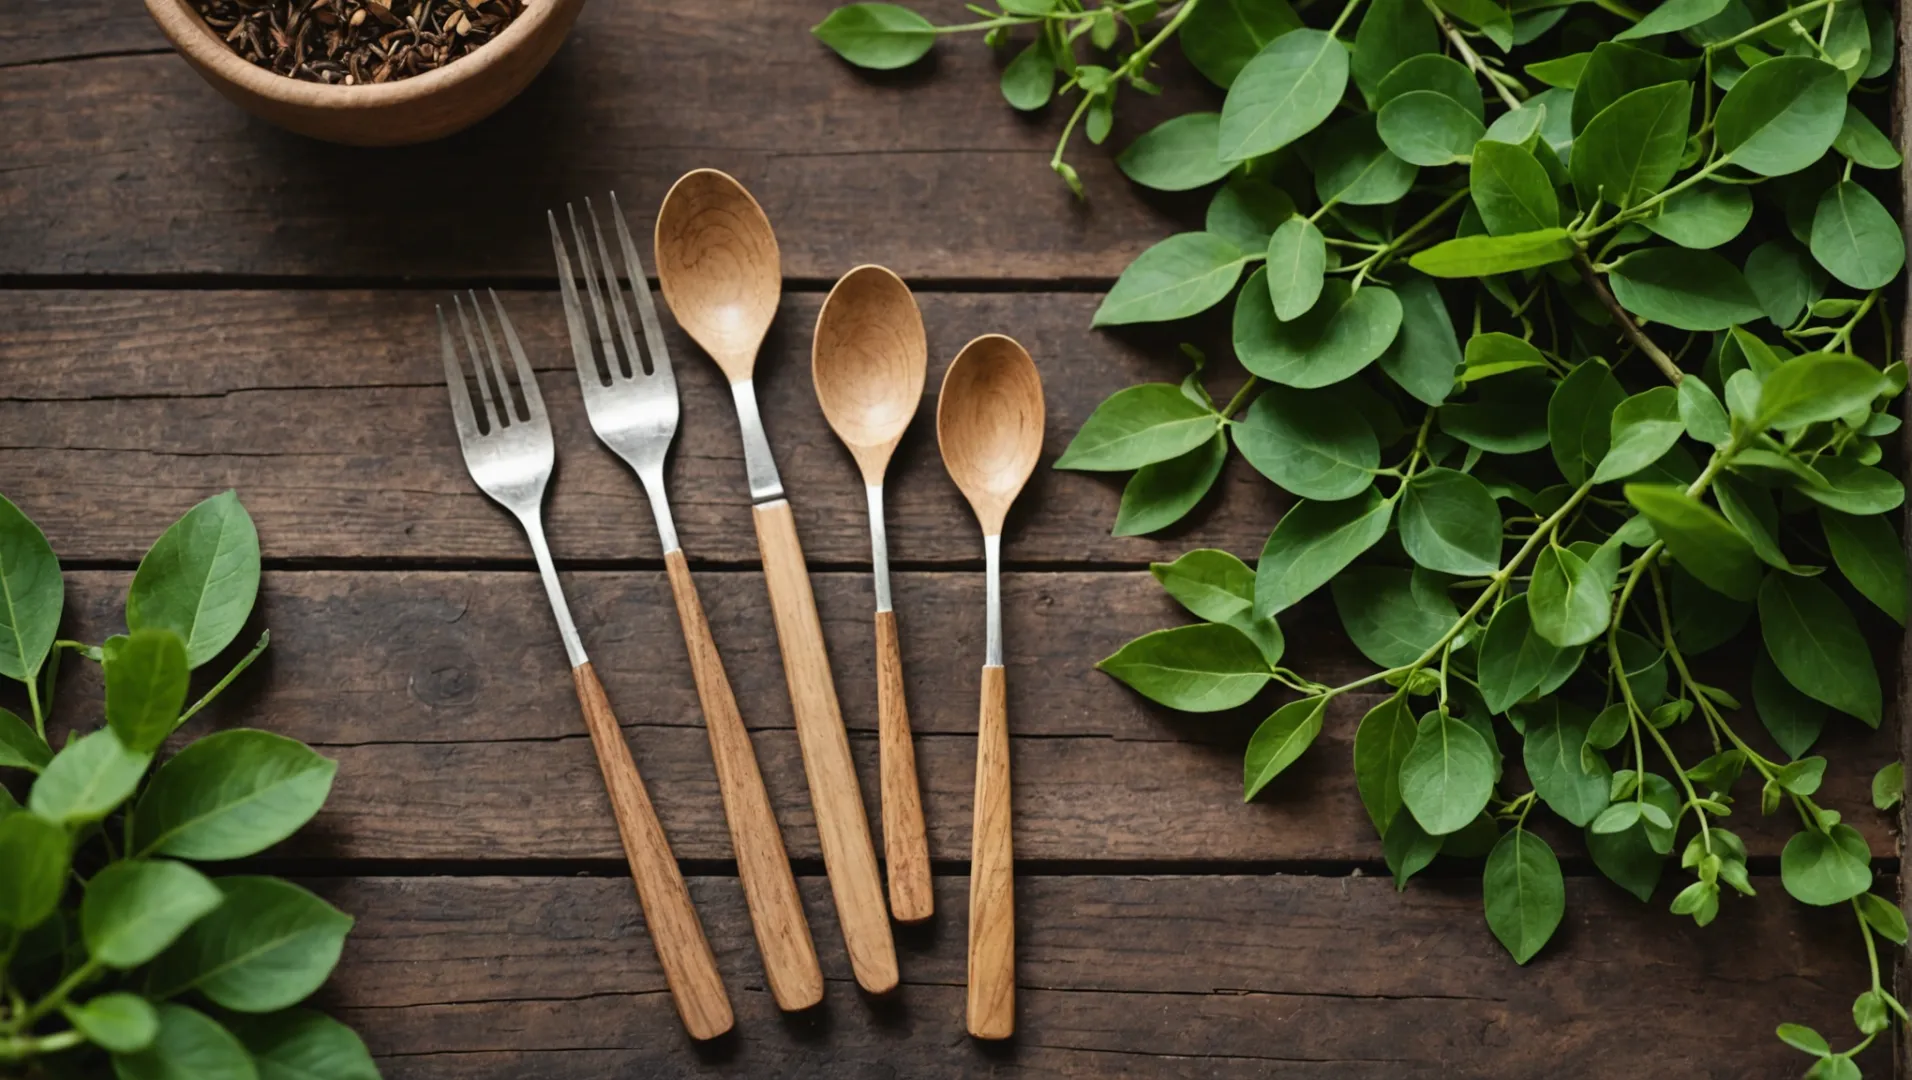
{"points": [[719, 268]]}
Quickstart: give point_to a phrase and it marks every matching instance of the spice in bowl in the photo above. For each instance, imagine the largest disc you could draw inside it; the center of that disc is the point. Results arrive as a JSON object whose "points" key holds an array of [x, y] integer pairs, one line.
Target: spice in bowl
{"points": [[354, 42]]}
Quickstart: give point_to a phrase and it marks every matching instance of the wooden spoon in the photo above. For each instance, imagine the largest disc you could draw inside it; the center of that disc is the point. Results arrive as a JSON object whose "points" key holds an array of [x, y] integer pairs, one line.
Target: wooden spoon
{"points": [[989, 424], [868, 360], [718, 265]]}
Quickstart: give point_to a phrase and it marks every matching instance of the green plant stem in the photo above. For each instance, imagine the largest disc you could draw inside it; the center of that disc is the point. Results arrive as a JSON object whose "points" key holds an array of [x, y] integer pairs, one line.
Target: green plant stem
{"points": [[33, 700], [1628, 328], [56, 997], [1136, 61], [245, 662], [23, 1047], [1844, 334], [1617, 8], [1342, 19], [1473, 60], [1241, 396], [1757, 29]]}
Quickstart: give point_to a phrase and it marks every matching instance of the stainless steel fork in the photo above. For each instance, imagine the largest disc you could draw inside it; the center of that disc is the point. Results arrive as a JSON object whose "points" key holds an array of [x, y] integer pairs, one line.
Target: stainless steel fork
{"points": [[510, 457], [633, 409]]}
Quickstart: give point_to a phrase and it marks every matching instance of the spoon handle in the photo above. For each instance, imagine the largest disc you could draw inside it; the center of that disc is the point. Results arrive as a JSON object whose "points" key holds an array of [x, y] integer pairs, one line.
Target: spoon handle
{"points": [[776, 911], [843, 830], [905, 844], [992, 899]]}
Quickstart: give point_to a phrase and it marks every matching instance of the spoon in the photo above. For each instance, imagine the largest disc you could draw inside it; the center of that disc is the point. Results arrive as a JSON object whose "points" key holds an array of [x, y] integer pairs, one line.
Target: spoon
{"points": [[868, 360], [989, 425], [718, 266]]}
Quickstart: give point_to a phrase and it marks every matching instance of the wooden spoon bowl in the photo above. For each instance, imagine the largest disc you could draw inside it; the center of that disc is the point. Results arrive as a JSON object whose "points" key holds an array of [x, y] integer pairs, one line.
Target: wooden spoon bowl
{"points": [[989, 424], [719, 267], [869, 359]]}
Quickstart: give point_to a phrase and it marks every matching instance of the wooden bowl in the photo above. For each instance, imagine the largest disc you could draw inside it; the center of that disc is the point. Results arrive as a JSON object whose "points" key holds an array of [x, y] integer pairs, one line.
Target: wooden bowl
{"points": [[413, 110]]}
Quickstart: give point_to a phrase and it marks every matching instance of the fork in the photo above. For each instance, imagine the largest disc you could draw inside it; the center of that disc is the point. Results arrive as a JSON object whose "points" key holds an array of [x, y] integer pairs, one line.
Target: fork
{"points": [[510, 458], [634, 412]]}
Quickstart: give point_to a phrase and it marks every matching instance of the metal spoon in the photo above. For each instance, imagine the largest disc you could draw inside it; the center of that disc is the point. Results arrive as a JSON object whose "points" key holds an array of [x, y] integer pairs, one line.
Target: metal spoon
{"points": [[868, 360], [989, 424]]}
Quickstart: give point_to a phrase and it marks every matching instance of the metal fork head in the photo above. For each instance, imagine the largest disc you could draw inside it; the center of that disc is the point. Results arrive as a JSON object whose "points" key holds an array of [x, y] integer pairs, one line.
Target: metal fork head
{"points": [[632, 403], [508, 445]]}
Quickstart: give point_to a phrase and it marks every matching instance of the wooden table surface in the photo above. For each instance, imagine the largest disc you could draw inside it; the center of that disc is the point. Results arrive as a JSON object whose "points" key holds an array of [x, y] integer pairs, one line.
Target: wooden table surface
{"points": [[191, 300]]}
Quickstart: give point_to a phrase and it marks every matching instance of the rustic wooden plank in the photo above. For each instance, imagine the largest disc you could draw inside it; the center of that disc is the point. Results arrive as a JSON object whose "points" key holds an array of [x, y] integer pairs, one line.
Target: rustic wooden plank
{"points": [[446, 698], [327, 410], [131, 164], [1118, 976], [41, 34]]}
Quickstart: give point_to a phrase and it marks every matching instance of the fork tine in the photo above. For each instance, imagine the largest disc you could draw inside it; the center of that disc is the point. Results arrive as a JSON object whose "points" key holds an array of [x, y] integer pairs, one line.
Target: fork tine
{"points": [[588, 374], [455, 382], [492, 422], [616, 294], [506, 405], [640, 286], [607, 345], [527, 382]]}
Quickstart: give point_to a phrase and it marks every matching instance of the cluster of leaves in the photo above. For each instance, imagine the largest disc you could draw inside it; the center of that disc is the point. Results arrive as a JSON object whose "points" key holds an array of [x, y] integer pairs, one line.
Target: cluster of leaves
{"points": [[1654, 431], [113, 948]]}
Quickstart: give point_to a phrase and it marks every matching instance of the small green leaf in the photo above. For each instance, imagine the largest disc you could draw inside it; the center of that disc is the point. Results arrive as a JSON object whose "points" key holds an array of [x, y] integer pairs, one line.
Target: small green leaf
{"points": [[189, 1045], [269, 945], [878, 36], [1176, 155], [1704, 216], [1551, 752], [1161, 493], [1247, 211], [34, 851], [1888, 790], [1381, 743], [1862, 141], [146, 682], [1690, 290], [1222, 36], [1139, 426], [1856, 239], [1815, 642], [1344, 332], [1425, 128], [1184, 274], [1511, 190], [1782, 115], [1828, 868], [1883, 915], [1495, 353], [200, 578], [89, 778], [1478, 256], [1205, 667], [1672, 16], [20, 746], [1851, 488], [1354, 167], [1211, 584], [1644, 427], [1580, 419], [1431, 71], [1283, 93], [1785, 278], [1312, 543], [1408, 849], [1447, 775], [1523, 893], [1800, 1037], [1632, 148], [1704, 542], [1392, 615], [1514, 659], [1868, 551], [1392, 32], [1297, 260], [230, 795], [1450, 523], [1814, 388], [1424, 355], [1310, 442], [1567, 600], [119, 1022], [1563, 72], [137, 907], [1701, 414], [1279, 740], [299, 1044], [1029, 81], [31, 594], [1793, 719], [1615, 70]]}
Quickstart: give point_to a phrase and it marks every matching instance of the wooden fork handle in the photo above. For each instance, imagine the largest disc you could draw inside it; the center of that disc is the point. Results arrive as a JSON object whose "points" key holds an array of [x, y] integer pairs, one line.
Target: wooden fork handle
{"points": [[992, 901], [776, 912], [905, 844], [843, 830], [689, 967]]}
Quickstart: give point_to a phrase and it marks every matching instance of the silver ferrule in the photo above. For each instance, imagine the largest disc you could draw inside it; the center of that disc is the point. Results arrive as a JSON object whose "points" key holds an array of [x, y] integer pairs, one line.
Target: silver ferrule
{"points": [[573, 648], [879, 548], [992, 561], [653, 479], [759, 466]]}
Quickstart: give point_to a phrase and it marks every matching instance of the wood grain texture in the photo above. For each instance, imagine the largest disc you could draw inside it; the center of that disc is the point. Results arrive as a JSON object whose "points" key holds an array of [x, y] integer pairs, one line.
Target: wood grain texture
{"points": [[718, 268], [991, 995], [836, 796], [682, 951], [449, 705], [776, 912], [989, 421], [1191, 978], [117, 409], [869, 359], [905, 843], [638, 95]]}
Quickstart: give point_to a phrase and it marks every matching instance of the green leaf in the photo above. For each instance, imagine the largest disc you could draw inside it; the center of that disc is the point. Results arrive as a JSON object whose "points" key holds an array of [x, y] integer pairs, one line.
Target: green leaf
{"points": [[1344, 332], [1868, 551], [230, 795], [1392, 32], [1029, 81], [189, 1046], [34, 851], [1408, 848], [878, 36], [1690, 290], [1312, 543], [1478, 256], [1139, 426], [1211, 584], [1632, 148], [268, 946], [1567, 600], [1882, 915], [1247, 211], [1182, 275], [300, 1044], [20, 746], [1705, 215], [1511, 190], [1580, 418], [1852, 488], [1222, 36], [119, 1022], [1861, 140], [1701, 414], [1703, 541], [1563, 72], [1354, 167], [1449, 523], [1496, 353], [1615, 70], [1551, 752], [1523, 893], [1425, 354], [1422, 127], [1634, 857], [146, 678], [1817, 387], [1491, 17], [1785, 278], [1888, 790], [1514, 659], [1793, 719], [1856, 239], [200, 578], [1644, 427], [1297, 259], [1206, 667], [1751, 510], [1828, 868], [1782, 115], [1509, 416], [1310, 442], [1176, 155], [89, 778], [137, 907], [1381, 743], [1815, 642], [1447, 775], [1800, 1037], [31, 594], [1160, 494], [1279, 740], [1440, 74], [1835, 1067], [1283, 93], [1392, 615], [1672, 16]]}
